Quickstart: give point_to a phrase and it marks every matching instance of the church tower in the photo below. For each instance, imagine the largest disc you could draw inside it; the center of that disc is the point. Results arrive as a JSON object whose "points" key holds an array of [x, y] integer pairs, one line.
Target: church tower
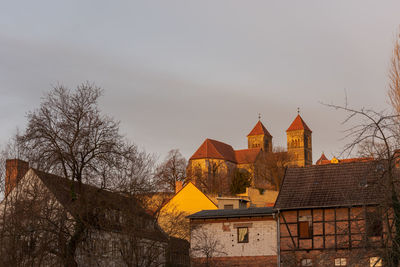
{"points": [[299, 142], [259, 137]]}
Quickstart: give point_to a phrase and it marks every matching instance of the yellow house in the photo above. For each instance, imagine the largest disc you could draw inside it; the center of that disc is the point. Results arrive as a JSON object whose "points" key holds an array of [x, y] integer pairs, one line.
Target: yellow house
{"points": [[186, 201]]}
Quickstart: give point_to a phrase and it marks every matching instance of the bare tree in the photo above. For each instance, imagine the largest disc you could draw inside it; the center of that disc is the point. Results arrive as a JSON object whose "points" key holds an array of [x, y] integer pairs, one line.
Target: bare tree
{"points": [[215, 179], [68, 136], [394, 77], [379, 134], [270, 168], [205, 247], [240, 181], [171, 170]]}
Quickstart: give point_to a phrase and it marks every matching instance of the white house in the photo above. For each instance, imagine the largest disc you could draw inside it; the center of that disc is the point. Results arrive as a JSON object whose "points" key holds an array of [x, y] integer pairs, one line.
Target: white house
{"points": [[234, 237], [39, 214]]}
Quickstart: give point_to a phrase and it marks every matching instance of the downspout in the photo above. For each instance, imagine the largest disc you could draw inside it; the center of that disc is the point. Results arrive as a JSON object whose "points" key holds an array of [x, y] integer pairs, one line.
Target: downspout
{"points": [[278, 238]]}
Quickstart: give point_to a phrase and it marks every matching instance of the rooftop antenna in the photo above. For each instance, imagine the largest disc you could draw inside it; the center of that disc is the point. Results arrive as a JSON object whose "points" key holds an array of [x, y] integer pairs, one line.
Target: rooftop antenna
{"points": [[298, 110], [259, 116]]}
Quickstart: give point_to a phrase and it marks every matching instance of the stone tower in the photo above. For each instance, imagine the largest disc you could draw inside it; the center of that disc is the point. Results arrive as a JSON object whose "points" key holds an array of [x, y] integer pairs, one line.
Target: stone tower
{"points": [[259, 137], [299, 143]]}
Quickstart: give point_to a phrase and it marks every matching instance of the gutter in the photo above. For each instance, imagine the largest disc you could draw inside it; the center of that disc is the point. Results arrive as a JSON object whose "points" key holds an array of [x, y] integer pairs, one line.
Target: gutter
{"points": [[278, 237]]}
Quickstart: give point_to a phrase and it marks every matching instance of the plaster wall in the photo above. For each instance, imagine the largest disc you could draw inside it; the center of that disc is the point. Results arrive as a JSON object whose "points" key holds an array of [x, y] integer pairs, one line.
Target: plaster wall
{"points": [[262, 237]]}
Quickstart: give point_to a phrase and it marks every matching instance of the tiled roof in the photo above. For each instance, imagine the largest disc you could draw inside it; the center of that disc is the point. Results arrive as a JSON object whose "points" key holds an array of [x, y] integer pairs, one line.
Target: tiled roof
{"points": [[327, 161], [259, 129], [232, 213], [321, 159], [298, 124], [356, 160], [215, 150], [97, 198], [331, 185], [246, 156]]}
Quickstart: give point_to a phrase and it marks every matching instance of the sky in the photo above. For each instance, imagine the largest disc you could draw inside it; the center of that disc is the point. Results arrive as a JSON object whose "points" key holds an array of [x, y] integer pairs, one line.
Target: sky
{"points": [[177, 72]]}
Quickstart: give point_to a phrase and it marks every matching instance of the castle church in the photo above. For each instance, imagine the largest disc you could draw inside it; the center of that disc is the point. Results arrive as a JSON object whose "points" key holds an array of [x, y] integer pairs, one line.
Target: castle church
{"points": [[214, 157]]}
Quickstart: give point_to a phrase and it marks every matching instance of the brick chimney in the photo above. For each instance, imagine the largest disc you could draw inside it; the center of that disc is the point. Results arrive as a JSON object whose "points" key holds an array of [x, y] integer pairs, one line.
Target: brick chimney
{"points": [[178, 186], [15, 170]]}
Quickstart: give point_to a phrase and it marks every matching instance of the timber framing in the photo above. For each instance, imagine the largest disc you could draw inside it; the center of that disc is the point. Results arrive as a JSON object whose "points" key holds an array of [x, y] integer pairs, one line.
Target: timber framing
{"points": [[344, 229]]}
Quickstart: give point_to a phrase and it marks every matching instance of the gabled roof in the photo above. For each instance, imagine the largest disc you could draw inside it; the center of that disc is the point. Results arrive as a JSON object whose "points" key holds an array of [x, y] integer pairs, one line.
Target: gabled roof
{"points": [[189, 199], [232, 213], [321, 159], [259, 129], [97, 198], [298, 124], [330, 185], [215, 150], [246, 156]]}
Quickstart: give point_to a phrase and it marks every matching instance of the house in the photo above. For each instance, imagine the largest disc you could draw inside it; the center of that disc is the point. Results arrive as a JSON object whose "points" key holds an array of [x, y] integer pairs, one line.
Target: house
{"points": [[188, 200], [232, 203], [329, 215], [259, 197], [214, 162], [40, 213], [234, 237], [324, 160]]}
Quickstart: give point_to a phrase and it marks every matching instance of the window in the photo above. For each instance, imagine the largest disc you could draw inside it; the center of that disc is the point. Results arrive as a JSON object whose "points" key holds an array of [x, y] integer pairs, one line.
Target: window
{"points": [[305, 229], [375, 262], [243, 234], [228, 207], [306, 262], [340, 262], [374, 223]]}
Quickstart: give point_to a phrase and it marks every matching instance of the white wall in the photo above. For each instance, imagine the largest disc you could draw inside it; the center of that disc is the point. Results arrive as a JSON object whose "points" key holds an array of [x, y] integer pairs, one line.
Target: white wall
{"points": [[262, 238]]}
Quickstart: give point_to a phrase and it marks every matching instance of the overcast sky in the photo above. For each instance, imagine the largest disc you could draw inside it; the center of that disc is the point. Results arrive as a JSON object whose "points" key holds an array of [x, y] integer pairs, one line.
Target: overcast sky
{"points": [[177, 72]]}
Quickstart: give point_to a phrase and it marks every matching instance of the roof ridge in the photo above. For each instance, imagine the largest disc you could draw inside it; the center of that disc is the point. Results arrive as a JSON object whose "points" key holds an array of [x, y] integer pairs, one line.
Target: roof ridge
{"points": [[259, 129], [298, 124]]}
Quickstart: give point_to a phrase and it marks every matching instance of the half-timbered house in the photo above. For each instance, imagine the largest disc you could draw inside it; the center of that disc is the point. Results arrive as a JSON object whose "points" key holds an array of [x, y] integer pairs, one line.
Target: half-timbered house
{"points": [[329, 215]]}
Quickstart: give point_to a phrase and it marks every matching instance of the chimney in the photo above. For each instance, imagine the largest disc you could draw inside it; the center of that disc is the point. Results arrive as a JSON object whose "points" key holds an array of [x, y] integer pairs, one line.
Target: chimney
{"points": [[15, 170], [178, 186]]}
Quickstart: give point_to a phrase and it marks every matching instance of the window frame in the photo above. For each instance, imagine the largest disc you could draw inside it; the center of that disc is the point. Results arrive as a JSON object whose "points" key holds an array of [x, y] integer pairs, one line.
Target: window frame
{"points": [[341, 261], [306, 262], [375, 261], [246, 237], [309, 228]]}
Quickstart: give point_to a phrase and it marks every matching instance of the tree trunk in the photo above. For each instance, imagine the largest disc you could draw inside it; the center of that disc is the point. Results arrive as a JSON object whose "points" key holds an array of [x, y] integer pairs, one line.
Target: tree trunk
{"points": [[73, 244]]}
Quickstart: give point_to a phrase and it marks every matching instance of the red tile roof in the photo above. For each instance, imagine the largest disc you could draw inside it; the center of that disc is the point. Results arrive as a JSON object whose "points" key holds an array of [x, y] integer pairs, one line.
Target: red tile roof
{"points": [[322, 159], [246, 156], [355, 160], [298, 124], [215, 150], [259, 129], [327, 161]]}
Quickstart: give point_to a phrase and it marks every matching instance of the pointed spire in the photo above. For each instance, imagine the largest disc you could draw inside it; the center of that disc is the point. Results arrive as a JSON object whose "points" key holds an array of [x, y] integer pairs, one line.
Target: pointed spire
{"points": [[259, 129], [298, 124]]}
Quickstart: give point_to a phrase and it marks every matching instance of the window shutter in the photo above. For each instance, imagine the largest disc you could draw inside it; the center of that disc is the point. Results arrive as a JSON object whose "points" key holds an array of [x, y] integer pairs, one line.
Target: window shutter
{"points": [[304, 230]]}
